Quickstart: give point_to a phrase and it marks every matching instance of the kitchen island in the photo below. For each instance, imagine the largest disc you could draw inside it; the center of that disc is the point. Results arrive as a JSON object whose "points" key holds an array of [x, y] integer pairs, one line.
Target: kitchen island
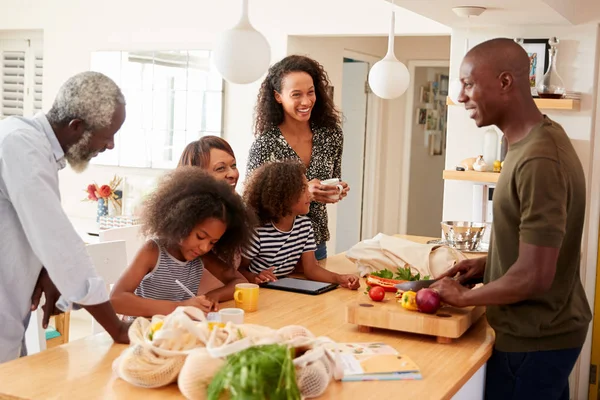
{"points": [[82, 369]]}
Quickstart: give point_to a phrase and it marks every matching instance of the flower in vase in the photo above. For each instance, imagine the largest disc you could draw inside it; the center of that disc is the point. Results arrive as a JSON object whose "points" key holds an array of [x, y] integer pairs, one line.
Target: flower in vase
{"points": [[91, 190], [105, 191]]}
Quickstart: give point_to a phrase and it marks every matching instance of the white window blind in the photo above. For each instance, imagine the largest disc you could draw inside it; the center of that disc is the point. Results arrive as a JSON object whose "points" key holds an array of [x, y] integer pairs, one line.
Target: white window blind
{"points": [[13, 83], [21, 77], [37, 82]]}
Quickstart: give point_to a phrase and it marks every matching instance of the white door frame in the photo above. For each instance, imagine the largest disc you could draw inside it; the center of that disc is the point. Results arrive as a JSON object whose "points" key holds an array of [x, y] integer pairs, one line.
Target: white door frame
{"points": [[408, 123], [372, 170]]}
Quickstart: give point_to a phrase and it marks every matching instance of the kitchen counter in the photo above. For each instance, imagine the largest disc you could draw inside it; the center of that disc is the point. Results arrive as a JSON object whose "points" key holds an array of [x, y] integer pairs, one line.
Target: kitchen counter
{"points": [[82, 369]]}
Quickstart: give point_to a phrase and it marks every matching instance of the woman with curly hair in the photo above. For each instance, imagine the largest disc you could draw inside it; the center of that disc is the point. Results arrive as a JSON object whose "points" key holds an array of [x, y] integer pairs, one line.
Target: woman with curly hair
{"points": [[297, 120], [285, 237], [188, 215]]}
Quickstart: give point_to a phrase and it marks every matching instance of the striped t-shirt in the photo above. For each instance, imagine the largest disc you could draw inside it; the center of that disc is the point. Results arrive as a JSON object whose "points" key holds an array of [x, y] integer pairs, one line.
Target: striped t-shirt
{"points": [[159, 284], [271, 247]]}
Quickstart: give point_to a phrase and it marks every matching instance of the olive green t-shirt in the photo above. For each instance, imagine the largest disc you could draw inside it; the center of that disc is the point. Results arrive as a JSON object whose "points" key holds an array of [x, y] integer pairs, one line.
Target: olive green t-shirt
{"points": [[540, 199]]}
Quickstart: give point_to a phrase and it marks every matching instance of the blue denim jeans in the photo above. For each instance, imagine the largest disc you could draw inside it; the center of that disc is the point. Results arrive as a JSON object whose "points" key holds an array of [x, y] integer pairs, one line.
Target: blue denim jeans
{"points": [[321, 252], [531, 375]]}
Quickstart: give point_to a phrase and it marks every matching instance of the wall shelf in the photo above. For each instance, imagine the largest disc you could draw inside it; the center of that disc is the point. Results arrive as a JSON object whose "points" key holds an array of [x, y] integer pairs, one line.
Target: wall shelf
{"points": [[546, 104], [471, 176]]}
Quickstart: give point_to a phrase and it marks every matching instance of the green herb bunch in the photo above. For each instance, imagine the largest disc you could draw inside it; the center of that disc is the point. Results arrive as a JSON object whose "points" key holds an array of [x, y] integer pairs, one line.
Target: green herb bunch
{"points": [[257, 373], [402, 273]]}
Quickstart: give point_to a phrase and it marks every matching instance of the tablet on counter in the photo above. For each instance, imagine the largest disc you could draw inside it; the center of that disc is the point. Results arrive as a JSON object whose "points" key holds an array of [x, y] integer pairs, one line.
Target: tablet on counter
{"points": [[300, 286]]}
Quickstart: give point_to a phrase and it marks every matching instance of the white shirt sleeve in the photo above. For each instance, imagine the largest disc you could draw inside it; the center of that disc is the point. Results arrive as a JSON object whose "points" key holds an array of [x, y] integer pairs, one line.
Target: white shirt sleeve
{"points": [[29, 173]]}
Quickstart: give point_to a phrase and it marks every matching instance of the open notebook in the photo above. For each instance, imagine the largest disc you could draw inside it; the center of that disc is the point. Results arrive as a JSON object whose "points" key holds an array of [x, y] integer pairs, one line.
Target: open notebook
{"points": [[374, 362]]}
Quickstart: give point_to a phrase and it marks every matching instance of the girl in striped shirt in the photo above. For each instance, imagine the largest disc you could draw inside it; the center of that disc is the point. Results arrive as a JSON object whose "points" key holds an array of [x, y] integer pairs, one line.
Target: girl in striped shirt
{"points": [[278, 194], [186, 217]]}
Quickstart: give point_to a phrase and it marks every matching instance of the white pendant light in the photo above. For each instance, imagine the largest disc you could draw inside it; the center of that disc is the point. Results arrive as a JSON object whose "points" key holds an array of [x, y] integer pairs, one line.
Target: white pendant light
{"points": [[242, 54], [389, 78]]}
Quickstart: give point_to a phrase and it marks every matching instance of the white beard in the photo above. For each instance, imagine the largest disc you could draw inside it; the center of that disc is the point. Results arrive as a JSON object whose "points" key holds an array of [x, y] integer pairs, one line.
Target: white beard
{"points": [[79, 154]]}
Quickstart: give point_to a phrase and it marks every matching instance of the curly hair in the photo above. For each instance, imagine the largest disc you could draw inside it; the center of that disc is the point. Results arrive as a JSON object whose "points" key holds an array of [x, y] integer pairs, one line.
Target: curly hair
{"points": [[197, 153], [89, 96], [268, 113], [274, 188], [186, 197]]}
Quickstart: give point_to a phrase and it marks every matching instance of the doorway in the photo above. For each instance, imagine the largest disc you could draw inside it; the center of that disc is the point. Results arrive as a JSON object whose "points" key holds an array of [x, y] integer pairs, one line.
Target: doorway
{"points": [[354, 124], [356, 216], [425, 142]]}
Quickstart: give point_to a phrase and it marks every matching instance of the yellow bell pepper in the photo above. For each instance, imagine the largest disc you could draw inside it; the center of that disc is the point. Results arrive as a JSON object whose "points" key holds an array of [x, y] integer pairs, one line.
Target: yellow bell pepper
{"points": [[153, 328], [409, 300], [156, 326]]}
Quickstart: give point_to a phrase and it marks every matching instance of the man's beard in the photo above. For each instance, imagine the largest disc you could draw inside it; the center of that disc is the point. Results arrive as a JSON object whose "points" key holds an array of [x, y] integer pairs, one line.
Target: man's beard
{"points": [[80, 154]]}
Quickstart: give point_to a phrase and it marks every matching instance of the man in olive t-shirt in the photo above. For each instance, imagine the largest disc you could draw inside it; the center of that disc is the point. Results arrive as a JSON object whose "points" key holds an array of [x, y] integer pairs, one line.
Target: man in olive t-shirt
{"points": [[533, 292]]}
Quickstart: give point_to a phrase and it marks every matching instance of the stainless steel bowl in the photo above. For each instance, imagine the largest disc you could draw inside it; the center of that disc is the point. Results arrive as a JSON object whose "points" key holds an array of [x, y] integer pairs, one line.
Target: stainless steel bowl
{"points": [[463, 235]]}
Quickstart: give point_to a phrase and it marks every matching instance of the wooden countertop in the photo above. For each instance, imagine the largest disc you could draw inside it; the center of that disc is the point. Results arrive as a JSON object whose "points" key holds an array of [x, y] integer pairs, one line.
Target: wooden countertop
{"points": [[82, 369]]}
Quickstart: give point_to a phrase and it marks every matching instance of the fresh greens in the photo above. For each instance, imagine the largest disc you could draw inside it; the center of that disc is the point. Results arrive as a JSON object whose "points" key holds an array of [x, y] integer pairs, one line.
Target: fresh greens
{"points": [[405, 274], [257, 373], [384, 273], [402, 274]]}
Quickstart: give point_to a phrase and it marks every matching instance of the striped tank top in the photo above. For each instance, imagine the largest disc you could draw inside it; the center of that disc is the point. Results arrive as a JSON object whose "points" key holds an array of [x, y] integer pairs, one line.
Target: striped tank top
{"points": [[159, 284]]}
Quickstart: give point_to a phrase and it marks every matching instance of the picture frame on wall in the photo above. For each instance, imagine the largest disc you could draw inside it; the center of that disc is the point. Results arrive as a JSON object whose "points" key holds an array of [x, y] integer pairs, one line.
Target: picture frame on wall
{"points": [[421, 116], [444, 84], [539, 55], [425, 94], [435, 143], [432, 120]]}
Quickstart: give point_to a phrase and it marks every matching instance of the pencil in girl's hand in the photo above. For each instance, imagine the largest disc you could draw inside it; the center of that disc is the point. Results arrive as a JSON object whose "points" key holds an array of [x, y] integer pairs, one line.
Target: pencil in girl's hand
{"points": [[188, 291]]}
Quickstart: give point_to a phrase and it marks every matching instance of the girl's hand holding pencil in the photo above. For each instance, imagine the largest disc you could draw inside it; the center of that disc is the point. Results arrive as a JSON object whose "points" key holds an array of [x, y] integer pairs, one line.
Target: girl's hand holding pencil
{"points": [[202, 302]]}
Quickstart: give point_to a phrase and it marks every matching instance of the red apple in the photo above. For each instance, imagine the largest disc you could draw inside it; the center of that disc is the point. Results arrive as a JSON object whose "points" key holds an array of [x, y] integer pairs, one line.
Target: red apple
{"points": [[428, 301]]}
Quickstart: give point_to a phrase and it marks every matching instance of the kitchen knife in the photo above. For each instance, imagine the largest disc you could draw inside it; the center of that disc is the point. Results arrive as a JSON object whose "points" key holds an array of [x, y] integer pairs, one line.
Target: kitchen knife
{"points": [[425, 283]]}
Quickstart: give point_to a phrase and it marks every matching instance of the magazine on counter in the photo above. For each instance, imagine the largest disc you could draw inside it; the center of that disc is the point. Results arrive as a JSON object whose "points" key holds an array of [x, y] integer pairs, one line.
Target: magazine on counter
{"points": [[374, 361]]}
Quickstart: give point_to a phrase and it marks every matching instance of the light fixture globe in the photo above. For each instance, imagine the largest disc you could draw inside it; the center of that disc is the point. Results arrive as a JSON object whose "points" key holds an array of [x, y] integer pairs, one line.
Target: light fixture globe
{"points": [[242, 54], [389, 78]]}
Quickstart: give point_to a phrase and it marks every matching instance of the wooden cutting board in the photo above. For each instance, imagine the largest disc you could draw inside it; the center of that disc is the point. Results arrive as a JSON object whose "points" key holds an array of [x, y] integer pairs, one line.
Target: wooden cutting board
{"points": [[447, 324]]}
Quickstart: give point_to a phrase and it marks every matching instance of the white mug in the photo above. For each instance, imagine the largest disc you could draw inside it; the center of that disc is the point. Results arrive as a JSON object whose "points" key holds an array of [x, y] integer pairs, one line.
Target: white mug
{"points": [[235, 315], [332, 182]]}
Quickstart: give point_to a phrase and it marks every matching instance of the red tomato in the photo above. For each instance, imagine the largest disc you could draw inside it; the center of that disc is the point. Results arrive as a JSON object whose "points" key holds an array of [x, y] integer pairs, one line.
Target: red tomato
{"points": [[377, 293]]}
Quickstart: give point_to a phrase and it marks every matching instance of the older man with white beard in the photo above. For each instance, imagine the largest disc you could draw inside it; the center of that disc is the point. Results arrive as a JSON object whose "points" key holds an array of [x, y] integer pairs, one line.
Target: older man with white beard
{"points": [[87, 112]]}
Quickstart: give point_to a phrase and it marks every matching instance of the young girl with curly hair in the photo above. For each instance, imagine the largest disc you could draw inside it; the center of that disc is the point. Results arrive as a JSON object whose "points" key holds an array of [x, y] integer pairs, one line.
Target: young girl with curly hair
{"points": [[278, 194], [188, 215], [297, 120]]}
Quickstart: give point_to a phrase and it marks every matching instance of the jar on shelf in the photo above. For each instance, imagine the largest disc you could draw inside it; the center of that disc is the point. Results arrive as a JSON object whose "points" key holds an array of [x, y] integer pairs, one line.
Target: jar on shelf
{"points": [[551, 85], [490, 147]]}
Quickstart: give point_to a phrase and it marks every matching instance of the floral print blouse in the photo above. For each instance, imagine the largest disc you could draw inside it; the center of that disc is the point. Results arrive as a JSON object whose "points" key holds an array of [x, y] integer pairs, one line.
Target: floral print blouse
{"points": [[325, 163]]}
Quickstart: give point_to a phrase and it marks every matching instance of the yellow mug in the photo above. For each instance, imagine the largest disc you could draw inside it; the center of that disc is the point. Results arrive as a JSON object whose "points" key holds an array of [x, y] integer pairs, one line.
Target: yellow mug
{"points": [[246, 296]]}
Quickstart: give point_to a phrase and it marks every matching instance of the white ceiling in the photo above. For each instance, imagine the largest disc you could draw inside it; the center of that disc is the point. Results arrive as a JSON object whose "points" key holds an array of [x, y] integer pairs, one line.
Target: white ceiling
{"points": [[507, 12]]}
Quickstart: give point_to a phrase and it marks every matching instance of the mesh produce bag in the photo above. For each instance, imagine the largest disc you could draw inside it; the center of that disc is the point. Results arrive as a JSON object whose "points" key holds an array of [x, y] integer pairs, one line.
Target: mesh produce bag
{"points": [[181, 347], [154, 359], [316, 367], [141, 366]]}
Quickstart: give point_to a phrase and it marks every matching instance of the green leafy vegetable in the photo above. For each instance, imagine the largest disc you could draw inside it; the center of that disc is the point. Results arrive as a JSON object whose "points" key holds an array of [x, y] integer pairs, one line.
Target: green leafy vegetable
{"points": [[405, 274], [384, 273], [257, 373]]}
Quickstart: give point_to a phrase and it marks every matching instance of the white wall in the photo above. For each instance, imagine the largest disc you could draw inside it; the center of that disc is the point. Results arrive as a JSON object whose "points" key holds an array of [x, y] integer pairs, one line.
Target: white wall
{"points": [[577, 64]]}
